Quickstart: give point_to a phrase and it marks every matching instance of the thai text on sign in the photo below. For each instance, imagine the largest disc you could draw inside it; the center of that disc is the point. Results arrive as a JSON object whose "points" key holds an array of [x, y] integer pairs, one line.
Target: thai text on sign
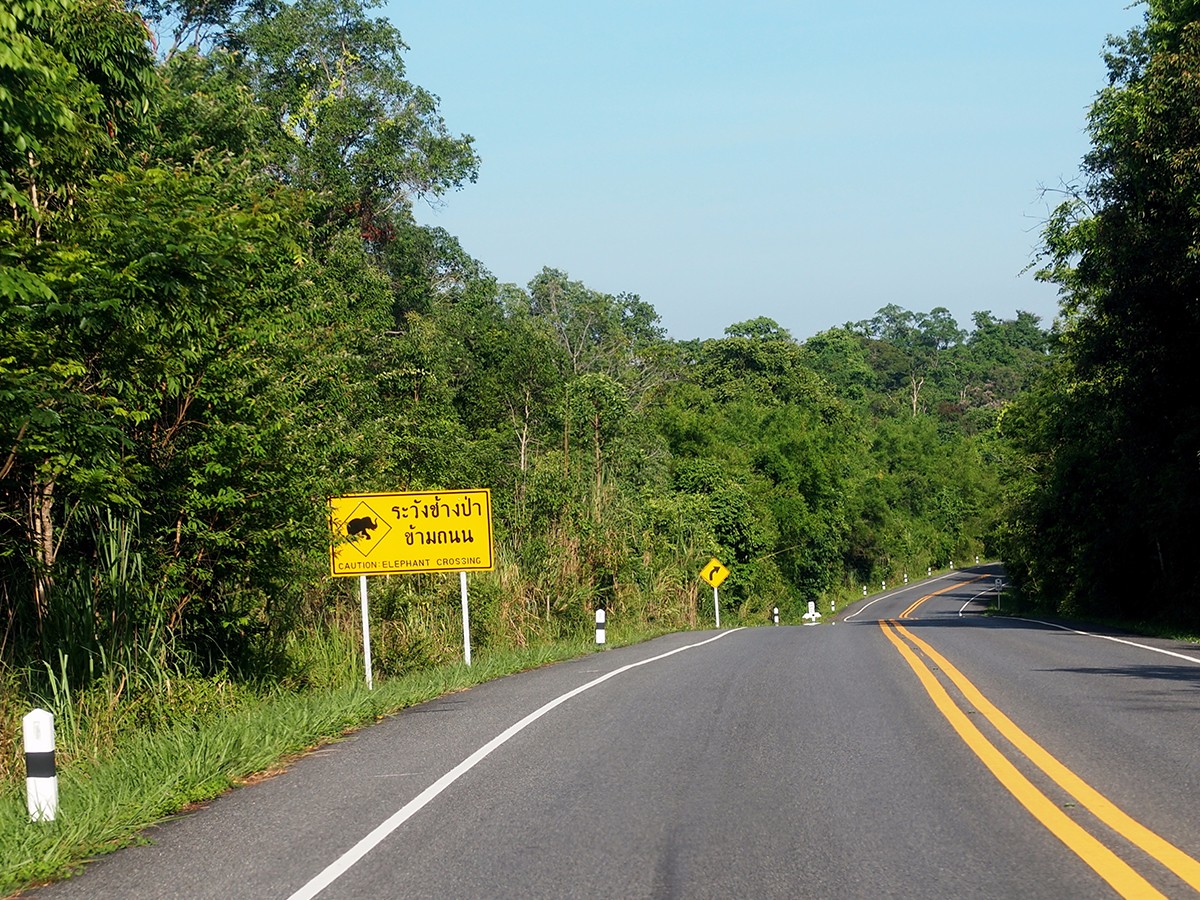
{"points": [[414, 531]]}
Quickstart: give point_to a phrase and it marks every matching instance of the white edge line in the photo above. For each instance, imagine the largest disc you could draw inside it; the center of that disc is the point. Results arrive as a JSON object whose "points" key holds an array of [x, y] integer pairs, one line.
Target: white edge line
{"points": [[976, 597], [1116, 640], [899, 590], [377, 835]]}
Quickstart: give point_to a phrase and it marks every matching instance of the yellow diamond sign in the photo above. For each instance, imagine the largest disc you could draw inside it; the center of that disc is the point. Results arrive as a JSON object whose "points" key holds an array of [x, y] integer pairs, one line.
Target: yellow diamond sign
{"points": [[714, 573]]}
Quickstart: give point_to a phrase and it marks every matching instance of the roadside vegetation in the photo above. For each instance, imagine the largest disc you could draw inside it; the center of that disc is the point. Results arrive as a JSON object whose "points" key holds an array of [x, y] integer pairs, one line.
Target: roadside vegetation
{"points": [[1103, 514], [120, 787], [217, 312]]}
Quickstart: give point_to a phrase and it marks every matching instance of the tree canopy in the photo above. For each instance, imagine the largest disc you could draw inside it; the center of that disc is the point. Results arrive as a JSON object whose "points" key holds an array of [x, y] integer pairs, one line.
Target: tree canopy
{"points": [[218, 311], [1113, 429]]}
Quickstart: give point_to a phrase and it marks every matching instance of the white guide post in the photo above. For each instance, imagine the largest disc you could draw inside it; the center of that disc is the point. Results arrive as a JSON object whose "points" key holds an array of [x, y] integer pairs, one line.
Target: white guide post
{"points": [[362, 592], [601, 632], [41, 778], [716, 607], [462, 584]]}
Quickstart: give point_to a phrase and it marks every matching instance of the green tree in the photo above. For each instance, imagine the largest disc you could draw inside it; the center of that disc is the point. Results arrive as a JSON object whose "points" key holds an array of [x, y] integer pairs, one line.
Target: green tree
{"points": [[911, 349], [1117, 432], [756, 359], [996, 364], [79, 78], [206, 109], [349, 122], [841, 358], [161, 339]]}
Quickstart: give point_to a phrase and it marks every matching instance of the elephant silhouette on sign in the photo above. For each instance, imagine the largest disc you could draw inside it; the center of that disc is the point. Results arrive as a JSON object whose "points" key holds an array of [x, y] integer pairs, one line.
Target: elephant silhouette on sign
{"points": [[362, 525]]}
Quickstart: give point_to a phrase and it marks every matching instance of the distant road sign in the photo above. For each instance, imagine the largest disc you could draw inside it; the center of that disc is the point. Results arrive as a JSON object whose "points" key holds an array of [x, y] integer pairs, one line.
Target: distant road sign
{"points": [[714, 573], [414, 531]]}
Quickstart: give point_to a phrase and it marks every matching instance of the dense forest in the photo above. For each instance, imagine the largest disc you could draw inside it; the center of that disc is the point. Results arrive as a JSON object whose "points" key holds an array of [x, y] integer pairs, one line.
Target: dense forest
{"points": [[217, 311], [1105, 518]]}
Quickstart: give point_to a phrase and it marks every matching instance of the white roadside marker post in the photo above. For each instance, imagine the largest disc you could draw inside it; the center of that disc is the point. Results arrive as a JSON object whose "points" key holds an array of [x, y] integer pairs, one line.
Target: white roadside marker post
{"points": [[462, 585], [366, 626], [777, 615], [41, 777], [601, 635]]}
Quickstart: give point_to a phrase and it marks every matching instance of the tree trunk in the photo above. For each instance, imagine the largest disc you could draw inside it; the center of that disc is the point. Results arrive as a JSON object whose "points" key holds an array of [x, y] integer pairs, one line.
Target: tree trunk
{"points": [[41, 529], [567, 435], [915, 385], [598, 454], [522, 429]]}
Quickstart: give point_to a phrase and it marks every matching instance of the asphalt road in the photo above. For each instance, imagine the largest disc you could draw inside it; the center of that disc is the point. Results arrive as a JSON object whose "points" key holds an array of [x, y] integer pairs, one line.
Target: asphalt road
{"points": [[911, 748]]}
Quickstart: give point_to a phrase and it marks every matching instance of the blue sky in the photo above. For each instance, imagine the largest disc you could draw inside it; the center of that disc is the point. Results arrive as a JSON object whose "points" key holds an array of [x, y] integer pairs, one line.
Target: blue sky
{"points": [[807, 162]]}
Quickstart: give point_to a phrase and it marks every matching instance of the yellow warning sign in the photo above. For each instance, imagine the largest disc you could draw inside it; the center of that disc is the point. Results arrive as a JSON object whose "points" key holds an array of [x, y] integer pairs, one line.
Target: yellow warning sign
{"points": [[714, 573], [414, 531]]}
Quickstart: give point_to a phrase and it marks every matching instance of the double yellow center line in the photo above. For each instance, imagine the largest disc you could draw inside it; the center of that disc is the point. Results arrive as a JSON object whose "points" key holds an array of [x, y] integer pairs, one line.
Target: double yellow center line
{"points": [[1119, 874], [912, 609]]}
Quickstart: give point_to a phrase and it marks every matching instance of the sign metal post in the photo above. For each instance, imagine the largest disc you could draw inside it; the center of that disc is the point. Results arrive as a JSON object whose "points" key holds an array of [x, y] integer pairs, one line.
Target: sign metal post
{"points": [[462, 584], [366, 628]]}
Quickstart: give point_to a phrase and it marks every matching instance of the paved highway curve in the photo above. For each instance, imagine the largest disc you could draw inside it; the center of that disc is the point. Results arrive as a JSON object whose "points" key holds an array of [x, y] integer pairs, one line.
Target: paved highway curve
{"points": [[911, 748]]}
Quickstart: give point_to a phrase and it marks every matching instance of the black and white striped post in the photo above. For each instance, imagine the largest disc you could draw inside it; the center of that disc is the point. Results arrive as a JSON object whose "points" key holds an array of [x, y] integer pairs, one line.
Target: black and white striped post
{"points": [[41, 778], [777, 615], [600, 632]]}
